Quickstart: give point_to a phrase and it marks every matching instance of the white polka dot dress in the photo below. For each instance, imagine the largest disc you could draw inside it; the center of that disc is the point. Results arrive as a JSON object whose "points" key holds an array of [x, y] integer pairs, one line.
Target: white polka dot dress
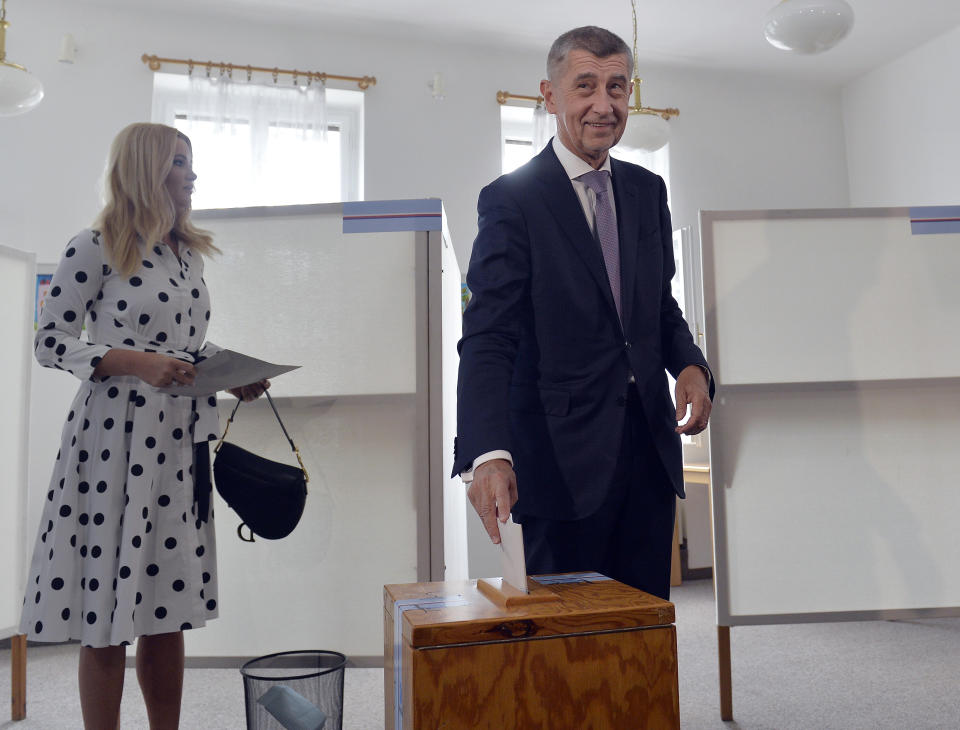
{"points": [[120, 550]]}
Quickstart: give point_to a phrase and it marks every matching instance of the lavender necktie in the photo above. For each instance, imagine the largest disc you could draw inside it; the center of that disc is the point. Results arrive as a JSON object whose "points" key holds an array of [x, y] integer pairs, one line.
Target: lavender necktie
{"points": [[596, 180]]}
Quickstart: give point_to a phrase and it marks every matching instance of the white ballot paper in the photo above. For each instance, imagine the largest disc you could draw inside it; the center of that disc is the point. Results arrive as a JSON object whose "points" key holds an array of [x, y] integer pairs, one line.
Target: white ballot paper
{"points": [[227, 369], [512, 562]]}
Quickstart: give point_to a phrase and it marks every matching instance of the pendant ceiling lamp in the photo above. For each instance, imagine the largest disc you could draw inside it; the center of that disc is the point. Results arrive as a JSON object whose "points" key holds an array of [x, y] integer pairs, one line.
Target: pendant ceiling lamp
{"points": [[20, 90], [808, 26], [647, 128]]}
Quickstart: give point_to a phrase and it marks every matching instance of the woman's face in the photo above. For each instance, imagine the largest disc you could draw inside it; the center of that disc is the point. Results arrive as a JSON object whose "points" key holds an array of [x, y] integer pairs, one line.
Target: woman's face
{"points": [[179, 182]]}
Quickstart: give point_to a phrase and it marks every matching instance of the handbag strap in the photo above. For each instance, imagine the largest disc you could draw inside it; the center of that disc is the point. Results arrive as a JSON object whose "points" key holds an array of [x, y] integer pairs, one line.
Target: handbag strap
{"points": [[293, 446]]}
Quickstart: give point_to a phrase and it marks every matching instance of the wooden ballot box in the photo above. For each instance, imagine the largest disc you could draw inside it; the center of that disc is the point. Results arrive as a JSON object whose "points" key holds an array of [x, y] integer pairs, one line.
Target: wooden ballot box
{"points": [[579, 651]]}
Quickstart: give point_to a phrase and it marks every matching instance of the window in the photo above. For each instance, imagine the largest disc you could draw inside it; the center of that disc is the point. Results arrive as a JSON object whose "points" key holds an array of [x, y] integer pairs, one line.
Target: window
{"points": [[686, 287], [252, 146], [523, 133]]}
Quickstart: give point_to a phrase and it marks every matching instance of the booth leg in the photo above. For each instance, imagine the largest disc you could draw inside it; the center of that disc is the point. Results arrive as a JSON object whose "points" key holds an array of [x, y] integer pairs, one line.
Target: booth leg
{"points": [[18, 677], [726, 689], [675, 572]]}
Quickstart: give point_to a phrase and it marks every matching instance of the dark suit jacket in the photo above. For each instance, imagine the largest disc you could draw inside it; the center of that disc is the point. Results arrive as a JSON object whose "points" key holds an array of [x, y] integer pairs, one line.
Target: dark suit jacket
{"points": [[544, 360]]}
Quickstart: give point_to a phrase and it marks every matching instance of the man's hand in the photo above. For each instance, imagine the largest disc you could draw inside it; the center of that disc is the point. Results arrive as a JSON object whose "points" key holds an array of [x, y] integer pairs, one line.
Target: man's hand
{"points": [[493, 492], [693, 389]]}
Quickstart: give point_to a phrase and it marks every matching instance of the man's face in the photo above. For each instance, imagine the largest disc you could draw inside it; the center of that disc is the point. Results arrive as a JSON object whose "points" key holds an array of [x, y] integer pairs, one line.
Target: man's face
{"points": [[590, 97]]}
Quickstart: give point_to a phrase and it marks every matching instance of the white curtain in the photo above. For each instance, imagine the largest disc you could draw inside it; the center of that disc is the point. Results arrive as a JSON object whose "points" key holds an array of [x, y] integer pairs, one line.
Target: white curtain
{"points": [[657, 162], [227, 102], [263, 143], [256, 112], [544, 127]]}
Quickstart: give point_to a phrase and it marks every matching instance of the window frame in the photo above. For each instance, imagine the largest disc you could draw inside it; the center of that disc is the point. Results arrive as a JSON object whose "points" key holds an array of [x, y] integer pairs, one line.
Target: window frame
{"points": [[344, 113]]}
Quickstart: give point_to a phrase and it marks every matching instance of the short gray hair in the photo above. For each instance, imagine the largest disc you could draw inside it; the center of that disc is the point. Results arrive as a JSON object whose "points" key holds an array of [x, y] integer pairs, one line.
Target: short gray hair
{"points": [[598, 41]]}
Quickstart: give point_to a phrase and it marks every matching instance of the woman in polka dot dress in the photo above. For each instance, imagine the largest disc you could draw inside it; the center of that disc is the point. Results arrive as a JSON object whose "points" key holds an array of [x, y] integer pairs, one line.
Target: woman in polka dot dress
{"points": [[126, 542]]}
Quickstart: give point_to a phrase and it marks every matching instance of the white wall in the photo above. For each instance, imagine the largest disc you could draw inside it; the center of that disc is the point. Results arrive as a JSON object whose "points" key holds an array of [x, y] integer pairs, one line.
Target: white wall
{"points": [[901, 123], [754, 143]]}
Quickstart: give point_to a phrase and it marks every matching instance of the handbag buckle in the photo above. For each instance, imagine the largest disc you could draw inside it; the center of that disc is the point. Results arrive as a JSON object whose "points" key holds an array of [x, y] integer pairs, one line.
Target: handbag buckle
{"points": [[306, 477]]}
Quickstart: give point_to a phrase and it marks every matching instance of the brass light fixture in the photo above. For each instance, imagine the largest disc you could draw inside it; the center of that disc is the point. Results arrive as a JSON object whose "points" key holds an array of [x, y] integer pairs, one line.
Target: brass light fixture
{"points": [[808, 26], [20, 91], [647, 127]]}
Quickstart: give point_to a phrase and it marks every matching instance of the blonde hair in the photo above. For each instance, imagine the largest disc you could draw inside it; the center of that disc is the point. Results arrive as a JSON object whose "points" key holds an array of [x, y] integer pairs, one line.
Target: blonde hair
{"points": [[138, 205]]}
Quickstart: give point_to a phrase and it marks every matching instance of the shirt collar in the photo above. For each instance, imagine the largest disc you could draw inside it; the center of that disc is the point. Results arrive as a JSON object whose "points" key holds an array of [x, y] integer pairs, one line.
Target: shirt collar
{"points": [[573, 165]]}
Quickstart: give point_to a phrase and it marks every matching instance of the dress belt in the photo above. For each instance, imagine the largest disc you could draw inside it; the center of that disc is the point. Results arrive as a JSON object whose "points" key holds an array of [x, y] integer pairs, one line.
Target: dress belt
{"points": [[201, 461], [201, 479]]}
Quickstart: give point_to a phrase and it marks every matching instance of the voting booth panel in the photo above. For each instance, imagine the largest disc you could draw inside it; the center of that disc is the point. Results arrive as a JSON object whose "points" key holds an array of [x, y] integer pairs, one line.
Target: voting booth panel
{"points": [[823, 296], [17, 287], [833, 432], [834, 501], [290, 287], [367, 316]]}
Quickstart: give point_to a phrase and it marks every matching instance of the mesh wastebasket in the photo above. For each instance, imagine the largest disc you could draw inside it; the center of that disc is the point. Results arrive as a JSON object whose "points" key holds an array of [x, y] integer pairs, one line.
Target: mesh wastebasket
{"points": [[317, 676]]}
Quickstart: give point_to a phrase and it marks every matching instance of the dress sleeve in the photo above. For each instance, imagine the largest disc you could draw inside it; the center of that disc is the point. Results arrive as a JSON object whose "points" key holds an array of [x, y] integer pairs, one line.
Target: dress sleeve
{"points": [[74, 290], [208, 350]]}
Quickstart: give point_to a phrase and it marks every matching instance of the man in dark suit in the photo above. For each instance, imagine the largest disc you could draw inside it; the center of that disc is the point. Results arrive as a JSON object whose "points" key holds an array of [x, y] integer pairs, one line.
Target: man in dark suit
{"points": [[564, 414]]}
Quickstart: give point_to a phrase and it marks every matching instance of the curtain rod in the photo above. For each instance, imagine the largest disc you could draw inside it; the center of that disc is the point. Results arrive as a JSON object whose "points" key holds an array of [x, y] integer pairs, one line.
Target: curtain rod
{"points": [[504, 96], [155, 62]]}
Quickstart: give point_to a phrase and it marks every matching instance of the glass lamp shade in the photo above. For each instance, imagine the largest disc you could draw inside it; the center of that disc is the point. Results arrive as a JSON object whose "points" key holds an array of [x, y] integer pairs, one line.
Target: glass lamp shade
{"points": [[20, 90], [808, 26], [645, 131]]}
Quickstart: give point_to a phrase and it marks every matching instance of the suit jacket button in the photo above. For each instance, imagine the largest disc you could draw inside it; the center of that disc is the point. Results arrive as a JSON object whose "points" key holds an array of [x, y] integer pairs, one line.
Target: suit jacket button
{"points": [[627, 345]]}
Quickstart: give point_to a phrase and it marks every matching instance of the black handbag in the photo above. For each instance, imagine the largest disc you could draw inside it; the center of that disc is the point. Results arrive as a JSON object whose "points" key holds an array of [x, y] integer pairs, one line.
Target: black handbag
{"points": [[268, 496]]}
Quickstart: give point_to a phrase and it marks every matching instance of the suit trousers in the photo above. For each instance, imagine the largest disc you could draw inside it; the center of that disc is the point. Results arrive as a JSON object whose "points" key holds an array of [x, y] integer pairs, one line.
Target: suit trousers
{"points": [[630, 536]]}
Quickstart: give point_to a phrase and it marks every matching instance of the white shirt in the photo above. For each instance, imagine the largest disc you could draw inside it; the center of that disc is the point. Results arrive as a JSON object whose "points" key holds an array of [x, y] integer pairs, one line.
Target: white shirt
{"points": [[574, 167]]}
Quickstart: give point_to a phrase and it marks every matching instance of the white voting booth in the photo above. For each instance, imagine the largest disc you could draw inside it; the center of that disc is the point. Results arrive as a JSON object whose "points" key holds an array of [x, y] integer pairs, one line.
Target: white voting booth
{"points": [[832, 337], [366, 298], [17, 282]]}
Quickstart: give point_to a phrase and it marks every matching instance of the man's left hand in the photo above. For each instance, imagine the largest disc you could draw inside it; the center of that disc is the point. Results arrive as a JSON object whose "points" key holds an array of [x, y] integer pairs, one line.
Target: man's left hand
{"points": [[693, 389]]}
